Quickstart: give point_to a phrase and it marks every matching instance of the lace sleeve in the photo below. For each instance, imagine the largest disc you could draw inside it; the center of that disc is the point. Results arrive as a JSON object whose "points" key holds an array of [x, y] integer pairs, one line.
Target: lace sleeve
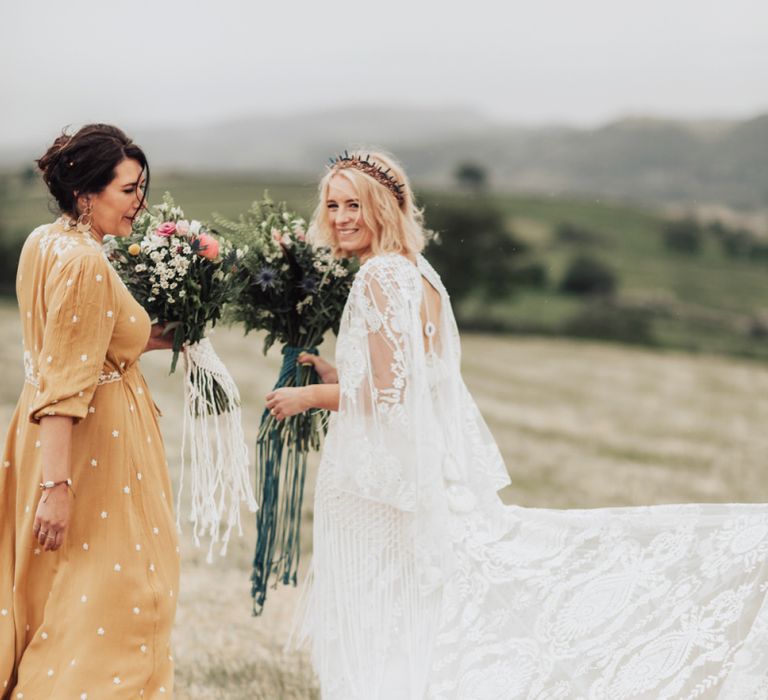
{"points": [[388, 343], [377, 354]]}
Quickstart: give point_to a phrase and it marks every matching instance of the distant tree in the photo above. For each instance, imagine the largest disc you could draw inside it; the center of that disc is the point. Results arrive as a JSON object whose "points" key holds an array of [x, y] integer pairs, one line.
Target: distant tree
{"points": [[28, 176], [566, 232], [737, 243], [683, 236], [534, 275], [10, 250], [607, 320], [758, 327], [586, 275], [471, 176], [759, 250], [474, 251]]}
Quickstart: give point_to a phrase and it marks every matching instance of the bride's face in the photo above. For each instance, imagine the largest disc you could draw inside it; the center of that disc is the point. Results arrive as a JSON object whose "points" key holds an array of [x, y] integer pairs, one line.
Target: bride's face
{"points": [[345, 216]]}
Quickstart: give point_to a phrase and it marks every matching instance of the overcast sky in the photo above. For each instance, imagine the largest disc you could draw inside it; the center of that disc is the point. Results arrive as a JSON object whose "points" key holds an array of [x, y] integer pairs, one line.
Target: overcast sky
{"points": [[583, 62]]}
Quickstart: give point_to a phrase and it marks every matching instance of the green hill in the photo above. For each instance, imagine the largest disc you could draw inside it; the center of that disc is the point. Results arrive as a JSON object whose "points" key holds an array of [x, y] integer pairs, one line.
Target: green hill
{"points": [[708, 301], [642, 159]]}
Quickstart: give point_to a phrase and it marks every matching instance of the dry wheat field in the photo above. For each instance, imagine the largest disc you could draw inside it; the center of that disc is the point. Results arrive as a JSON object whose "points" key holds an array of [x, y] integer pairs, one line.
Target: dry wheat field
{"points": [[579, 424]]}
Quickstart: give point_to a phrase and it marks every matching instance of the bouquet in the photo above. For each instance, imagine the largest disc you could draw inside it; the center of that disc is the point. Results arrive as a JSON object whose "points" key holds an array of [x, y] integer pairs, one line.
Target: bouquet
{"points": [[183, 275], [296, 293], [178, 271]]}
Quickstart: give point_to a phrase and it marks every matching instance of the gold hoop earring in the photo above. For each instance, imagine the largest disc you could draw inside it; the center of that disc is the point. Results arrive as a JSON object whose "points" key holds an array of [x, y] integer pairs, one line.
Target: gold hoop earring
{"points": [[85, 219]]}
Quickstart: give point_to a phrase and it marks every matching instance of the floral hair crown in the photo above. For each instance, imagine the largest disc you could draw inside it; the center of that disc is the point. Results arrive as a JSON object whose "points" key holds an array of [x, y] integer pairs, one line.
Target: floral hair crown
{"points": [[370, 168]]}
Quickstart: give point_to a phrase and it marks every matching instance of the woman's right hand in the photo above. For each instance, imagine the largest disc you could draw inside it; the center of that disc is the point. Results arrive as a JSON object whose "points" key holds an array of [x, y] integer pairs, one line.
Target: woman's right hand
{"points": [[159, 339], [52, 518], [326, 371]]}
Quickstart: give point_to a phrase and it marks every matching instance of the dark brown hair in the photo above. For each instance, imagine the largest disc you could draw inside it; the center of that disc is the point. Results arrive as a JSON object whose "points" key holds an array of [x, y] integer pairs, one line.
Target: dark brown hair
{"points": [[85, 162]]}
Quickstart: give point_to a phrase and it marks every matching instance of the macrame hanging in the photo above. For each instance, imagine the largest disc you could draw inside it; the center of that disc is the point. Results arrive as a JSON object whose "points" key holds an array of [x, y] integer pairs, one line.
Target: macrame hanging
{"points": [[214, 440], [281, 466]]}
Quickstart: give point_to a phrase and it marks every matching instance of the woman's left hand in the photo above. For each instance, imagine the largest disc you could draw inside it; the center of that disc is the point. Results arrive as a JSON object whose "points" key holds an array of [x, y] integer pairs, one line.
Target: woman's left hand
{"points": [[289, 401], [158, 341]]}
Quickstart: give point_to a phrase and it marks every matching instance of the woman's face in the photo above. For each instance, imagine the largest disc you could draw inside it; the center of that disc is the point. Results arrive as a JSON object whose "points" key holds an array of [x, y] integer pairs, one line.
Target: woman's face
{"points": [[345, 216], [115, 207]]}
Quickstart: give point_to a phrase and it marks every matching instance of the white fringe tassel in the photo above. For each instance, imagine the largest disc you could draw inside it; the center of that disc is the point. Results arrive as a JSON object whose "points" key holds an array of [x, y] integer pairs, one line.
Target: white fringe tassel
{"points": [[218, 454]]}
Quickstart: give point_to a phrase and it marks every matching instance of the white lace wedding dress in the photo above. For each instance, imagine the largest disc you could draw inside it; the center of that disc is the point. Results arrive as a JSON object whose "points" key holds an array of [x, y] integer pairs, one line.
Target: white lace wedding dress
{"points": [[424, 585]]}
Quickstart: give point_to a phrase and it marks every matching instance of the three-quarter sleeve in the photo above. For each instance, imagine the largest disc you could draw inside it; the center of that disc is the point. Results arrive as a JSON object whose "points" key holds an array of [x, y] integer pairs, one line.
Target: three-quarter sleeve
{"points": [[381, 404], [80, 318]]}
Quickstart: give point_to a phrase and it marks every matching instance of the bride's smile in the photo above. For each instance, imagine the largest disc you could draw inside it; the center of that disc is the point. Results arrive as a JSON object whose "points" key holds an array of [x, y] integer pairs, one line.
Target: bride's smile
{"points": [[346, 218]]}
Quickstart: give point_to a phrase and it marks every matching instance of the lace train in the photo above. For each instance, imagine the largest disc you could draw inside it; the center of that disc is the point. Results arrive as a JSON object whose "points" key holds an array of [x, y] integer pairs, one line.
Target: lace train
{"points": [[425, 585]]}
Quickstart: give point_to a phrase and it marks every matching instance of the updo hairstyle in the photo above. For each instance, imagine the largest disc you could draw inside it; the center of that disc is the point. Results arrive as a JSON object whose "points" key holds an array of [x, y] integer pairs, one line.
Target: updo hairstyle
{"points": [[85, 162]]}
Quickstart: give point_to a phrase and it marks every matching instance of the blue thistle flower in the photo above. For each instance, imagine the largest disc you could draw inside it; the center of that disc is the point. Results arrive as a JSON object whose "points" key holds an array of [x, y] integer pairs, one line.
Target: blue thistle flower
{"points": [[266, 278], [309, 284]]}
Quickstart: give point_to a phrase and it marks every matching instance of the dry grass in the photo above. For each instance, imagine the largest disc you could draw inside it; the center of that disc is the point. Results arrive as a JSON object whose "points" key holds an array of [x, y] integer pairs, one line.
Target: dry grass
{"points": [[580, 425]]}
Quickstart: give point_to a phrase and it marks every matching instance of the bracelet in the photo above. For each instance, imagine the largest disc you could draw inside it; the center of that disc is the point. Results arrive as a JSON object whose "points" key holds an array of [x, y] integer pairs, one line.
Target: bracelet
{"points": [[45, 485]]}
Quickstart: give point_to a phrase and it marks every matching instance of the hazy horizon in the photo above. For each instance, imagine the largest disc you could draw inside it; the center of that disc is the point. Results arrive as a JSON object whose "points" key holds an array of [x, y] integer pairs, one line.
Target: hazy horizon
{"points": [[164, 64]]}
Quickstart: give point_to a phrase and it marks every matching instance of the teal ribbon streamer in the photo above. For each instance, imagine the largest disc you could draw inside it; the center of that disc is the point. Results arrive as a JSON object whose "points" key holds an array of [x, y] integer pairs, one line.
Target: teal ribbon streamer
{"points": [[282, 449]]}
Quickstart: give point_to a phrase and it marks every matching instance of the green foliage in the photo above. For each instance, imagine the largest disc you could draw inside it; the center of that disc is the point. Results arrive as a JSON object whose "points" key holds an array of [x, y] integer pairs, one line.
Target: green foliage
{"points": [[28, 176], [10, 251], [609, 321], [726, 280], [758, 326], [586, 275], [295, 292], [474, 251], [172, 276], [10, 247], [471, 176], [532, 274], [570, 233], [289, 288], [683, 236], [739, 242]]}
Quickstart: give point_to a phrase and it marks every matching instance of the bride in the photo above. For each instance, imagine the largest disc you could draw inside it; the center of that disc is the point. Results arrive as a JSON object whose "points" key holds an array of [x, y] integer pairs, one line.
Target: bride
{"points": [[425, 585]]}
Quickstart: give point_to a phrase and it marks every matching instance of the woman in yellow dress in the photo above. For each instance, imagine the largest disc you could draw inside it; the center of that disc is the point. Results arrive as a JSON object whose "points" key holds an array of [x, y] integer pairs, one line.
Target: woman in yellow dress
{"points": [[89, 562]]}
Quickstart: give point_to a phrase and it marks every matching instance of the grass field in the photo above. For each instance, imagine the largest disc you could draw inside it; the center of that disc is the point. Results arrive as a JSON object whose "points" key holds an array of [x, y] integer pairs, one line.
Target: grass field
{"points": [[579, 424], [705, 302]]}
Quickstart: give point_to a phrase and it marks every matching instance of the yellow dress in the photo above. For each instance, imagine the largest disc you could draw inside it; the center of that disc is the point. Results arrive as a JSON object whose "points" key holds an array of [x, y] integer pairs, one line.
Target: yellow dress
{"points": [[92, 620]]}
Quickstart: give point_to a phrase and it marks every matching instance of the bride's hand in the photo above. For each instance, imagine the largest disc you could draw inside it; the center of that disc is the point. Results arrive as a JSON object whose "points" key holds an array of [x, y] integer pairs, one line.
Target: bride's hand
{"points": [[158, 341], [289, 401], [325, 370]]}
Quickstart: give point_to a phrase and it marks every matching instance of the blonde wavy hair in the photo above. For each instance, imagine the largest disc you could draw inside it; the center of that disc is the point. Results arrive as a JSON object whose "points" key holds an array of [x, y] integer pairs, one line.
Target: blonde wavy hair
{"points": [[397, 228]]}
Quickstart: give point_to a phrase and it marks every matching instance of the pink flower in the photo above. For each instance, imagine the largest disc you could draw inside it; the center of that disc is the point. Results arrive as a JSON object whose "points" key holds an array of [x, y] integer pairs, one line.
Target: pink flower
{"points": [[166, 229], [182, 227], [209, 246], [277, 236]]}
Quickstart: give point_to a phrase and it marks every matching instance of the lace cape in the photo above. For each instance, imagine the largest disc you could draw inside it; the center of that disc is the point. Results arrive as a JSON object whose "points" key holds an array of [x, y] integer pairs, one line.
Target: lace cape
{"points": [[406, 448], [424, 585]]}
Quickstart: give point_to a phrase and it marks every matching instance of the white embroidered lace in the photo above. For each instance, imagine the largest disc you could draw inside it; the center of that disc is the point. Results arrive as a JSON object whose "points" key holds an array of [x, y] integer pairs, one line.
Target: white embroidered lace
{"points": [[31, 375], [424, 585]]}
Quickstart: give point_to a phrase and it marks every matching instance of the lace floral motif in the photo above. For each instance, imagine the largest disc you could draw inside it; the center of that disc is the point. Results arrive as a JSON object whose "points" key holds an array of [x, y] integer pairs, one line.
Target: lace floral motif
{"points": [[373, 355], [108, 377], [376, 317], [60, 239], [426, 586], [612, 604], [32, 377]]}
